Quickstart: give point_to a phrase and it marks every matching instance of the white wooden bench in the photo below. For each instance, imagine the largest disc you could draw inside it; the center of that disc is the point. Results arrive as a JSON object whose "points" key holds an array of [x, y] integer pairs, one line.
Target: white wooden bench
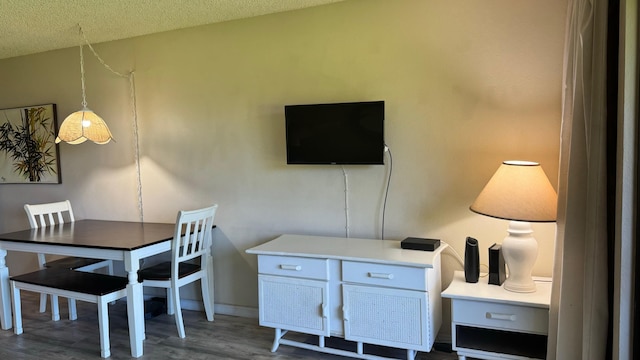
{"points": [[84, 286]]}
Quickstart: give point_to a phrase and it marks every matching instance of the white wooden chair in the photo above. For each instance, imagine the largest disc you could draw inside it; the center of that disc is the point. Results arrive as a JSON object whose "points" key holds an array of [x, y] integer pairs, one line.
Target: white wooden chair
{"points": [[184, 267], [49, 215]]}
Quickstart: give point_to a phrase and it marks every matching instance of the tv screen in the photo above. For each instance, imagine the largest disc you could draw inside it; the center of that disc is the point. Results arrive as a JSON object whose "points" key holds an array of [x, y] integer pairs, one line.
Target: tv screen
{"points": [[340, 133]]}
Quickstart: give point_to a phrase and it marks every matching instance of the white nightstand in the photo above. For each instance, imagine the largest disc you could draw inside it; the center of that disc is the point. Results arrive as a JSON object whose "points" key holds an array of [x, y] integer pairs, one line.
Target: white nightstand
{"points": [[489, 322]]}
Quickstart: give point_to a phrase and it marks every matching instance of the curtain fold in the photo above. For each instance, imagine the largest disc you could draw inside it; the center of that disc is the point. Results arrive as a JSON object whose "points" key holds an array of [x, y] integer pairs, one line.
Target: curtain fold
{"points": [[579, 310]]}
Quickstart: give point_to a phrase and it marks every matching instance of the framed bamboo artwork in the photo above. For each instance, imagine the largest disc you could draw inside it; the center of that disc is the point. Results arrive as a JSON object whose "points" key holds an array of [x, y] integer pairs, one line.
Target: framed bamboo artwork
{"points": [[28, 152]]}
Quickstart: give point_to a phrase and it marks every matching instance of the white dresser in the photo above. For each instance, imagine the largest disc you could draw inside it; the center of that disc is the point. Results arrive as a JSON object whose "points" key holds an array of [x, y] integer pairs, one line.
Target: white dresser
{"points": [[363, 290]]}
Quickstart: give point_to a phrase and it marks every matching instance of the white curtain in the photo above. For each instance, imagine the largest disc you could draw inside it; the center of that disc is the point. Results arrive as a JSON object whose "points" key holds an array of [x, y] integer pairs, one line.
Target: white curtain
{"points": [[578, 313], [579, 303]]}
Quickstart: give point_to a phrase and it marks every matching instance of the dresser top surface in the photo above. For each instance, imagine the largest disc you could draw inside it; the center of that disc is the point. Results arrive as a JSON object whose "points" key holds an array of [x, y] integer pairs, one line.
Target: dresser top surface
{"points": [[370, 250], [482, 291]]}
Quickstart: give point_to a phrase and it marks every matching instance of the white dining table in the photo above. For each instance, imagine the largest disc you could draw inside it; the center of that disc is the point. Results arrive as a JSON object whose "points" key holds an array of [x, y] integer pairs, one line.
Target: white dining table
{"points": [[116, 240]]}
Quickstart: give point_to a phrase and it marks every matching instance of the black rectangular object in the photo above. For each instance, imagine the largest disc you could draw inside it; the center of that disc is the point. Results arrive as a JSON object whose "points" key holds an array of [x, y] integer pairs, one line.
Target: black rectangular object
{"points": [[414, 243], [497, 273], [337, 133]]}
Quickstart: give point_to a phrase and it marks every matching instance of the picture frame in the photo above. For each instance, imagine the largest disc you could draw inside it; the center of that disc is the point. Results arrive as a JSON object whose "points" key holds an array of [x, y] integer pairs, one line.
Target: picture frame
{"points": [[28, 152]]}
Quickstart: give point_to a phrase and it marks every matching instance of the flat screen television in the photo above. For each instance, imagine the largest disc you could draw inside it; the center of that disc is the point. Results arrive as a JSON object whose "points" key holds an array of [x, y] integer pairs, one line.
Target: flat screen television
{"points": [[339, 133]]}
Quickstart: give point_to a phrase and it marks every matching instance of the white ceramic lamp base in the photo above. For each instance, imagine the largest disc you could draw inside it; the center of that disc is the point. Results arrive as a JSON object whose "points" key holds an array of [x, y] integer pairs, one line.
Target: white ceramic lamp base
{"points": [[520, 250]]}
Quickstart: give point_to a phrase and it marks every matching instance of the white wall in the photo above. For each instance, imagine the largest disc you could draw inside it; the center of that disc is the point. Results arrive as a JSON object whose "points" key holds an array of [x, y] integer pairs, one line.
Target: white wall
{"points": [[467, 84]]}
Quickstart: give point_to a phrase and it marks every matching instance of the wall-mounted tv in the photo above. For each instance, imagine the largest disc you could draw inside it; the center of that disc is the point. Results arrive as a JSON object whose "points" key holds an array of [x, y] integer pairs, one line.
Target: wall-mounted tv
{"points": [[339, 133]]}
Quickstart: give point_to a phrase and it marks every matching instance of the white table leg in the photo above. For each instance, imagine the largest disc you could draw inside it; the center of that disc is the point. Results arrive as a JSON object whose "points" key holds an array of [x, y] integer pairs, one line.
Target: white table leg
{"points": [[135, 308], [5, 298]]}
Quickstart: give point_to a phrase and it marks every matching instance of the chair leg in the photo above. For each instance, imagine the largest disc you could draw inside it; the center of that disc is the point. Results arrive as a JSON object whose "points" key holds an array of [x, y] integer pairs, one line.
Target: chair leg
{"points": [[43, 302], [170, 307], [55, 309], [73, 313], [206, 298], [17, 310], [178, 311], [103, 323], [110, 271]]}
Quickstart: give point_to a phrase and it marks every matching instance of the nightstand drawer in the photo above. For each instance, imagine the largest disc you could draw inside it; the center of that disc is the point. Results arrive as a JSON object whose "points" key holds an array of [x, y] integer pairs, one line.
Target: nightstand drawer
{"points": [[395, 276], [292, 266], [500, 316]]}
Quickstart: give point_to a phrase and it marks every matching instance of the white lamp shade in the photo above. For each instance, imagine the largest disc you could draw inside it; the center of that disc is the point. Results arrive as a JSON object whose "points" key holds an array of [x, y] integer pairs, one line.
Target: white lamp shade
{"points": [[84, 125], [519, 190]]}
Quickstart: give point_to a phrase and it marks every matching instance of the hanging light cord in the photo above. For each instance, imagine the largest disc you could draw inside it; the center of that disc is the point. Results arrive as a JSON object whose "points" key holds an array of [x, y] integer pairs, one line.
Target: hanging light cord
{"points": [[136, 142], [134, 111], [84, 96]]}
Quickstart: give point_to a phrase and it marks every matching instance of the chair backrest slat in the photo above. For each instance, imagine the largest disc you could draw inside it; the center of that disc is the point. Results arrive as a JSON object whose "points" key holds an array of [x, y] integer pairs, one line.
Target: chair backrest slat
{"points": [[192, 237], [43, 215]]}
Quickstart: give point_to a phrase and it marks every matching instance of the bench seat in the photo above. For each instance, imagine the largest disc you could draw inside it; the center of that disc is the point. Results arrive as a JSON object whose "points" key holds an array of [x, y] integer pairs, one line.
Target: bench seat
{"points": [[84, 286]]}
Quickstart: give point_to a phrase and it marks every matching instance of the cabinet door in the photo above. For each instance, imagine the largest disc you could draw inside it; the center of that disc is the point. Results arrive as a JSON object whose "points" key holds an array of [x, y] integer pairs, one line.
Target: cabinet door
{"points": [[294, 304], [385, 316]]}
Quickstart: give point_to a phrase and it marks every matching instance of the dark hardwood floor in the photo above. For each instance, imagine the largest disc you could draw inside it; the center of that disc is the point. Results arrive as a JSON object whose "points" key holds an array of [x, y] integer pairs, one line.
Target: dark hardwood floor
{"points": [[228, 337]]}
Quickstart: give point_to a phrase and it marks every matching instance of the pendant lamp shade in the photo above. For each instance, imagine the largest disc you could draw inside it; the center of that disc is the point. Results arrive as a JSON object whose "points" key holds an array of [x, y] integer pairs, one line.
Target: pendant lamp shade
{"points": [[84, 125]]}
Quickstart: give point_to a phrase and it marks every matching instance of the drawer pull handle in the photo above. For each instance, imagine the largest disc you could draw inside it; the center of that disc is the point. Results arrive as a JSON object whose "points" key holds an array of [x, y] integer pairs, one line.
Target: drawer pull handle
{"points": [[290, 267], [380, 276], [495, 316]]}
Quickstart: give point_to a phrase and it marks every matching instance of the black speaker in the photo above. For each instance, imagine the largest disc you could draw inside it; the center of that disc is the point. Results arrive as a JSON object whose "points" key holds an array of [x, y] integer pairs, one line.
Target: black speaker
{"points": [[497, 273], [471, 261]]}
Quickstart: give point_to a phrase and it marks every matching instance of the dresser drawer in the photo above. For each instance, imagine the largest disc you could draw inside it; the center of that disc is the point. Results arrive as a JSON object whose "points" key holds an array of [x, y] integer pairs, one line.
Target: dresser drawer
{"points": [[293, 266], [500, 316], [395, 276]]}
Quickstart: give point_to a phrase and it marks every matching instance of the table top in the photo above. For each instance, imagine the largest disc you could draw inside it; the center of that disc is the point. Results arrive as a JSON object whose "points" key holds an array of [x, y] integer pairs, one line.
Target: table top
{"points": [[101, 234], [483, 291], [370, 250]]}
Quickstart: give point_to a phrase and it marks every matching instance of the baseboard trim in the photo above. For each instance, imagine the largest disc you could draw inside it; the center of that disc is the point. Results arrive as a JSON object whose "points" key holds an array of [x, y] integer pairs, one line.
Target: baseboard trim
{"points": [[241, 311], [224, 309]]}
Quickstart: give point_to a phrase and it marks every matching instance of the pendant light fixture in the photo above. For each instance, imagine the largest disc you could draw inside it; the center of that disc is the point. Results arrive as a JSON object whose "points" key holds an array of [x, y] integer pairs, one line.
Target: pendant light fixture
{"points": [[83, 125], [86, 125]]}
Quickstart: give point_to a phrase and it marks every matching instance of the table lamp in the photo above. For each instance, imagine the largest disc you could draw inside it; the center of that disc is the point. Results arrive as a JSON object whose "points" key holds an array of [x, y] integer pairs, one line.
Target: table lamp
{"points": [[521, 192]]}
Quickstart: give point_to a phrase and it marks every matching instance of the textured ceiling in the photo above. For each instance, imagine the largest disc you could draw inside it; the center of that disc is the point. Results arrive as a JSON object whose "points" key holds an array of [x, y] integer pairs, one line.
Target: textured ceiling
{"points": [[33, 26]]}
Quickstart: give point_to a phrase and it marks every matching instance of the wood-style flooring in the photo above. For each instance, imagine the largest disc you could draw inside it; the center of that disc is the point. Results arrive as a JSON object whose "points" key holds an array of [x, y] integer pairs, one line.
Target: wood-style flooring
{"points": [[228, 337]]}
